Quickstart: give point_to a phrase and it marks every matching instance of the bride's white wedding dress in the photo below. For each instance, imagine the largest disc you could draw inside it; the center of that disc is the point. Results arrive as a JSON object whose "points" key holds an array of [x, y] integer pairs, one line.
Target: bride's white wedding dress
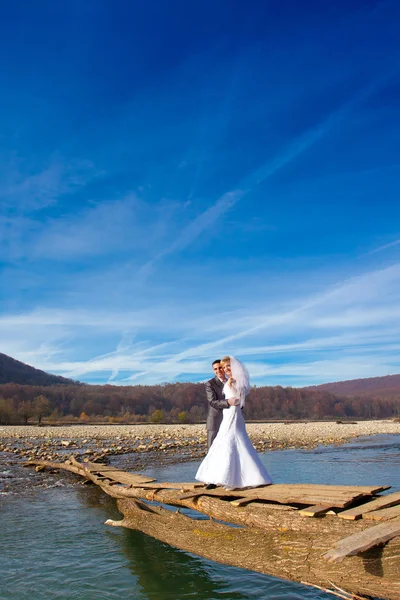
{"points": [[232, 461]]}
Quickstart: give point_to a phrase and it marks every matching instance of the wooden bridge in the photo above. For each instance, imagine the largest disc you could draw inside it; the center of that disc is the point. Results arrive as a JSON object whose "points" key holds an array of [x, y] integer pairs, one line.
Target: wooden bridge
{"points": [[329, 536]]}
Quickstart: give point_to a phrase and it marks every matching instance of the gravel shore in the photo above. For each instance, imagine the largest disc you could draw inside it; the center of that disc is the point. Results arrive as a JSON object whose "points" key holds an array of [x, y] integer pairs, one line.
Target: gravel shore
{"points": [[97, 442], [291, 432], [137, 447]]}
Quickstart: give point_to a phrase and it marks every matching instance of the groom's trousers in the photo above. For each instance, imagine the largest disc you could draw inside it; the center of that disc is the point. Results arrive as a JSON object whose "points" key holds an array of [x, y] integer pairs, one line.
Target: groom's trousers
{"points": [[211, 435]]}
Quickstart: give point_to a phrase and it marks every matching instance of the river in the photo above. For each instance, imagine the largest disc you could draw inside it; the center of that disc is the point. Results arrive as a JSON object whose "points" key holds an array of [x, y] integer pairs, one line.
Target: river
{"points": [[54, 544]]}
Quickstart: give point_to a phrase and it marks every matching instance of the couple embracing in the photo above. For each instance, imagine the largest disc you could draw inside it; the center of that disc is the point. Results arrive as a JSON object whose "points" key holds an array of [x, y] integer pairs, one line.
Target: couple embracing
{"points": [[232, 461]]}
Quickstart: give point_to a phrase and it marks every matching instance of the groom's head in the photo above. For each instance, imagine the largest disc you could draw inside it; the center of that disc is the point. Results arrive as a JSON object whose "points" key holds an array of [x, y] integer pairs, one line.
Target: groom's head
{"points": [[218, 369]]}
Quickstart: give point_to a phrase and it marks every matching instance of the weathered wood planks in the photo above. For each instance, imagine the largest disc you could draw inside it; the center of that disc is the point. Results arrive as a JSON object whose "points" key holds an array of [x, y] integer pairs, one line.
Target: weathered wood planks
{"points": [[363, 540], [308, 494], [363, 509], [111, 473], [315, 511], [383, 515]]}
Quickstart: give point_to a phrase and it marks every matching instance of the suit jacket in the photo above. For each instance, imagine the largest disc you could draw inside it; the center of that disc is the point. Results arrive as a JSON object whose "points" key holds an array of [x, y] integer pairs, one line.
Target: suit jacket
{"points": [[216, 403]]}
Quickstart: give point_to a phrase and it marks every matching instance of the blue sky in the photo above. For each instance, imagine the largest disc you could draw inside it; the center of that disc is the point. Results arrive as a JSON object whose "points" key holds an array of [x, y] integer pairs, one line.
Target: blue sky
{"points": [[180, 181]]}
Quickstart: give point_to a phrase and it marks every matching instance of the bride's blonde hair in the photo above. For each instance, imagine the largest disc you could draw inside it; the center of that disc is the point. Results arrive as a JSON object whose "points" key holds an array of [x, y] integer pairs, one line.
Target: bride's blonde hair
{"points": [[225, 359]]}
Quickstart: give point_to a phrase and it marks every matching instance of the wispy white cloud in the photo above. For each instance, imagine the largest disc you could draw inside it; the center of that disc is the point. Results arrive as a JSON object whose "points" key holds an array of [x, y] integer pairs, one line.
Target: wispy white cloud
{"points": [[354, 325], [23, 195], [319, 371], [314, 134], [296, 147], [124, 227], [83, 236], [361, 341], [34, 191], [97, 230], [321, 312], [384, 247], [192, 231], [104, 319]]}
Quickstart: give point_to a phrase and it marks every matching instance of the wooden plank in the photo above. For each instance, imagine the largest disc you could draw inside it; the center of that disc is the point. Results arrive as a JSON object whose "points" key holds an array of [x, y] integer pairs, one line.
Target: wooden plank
{"points": [[183, 487], [277, 507], [341, 500], [271, 494], [315, 501], [318, 487], [124, 477], [109, 471], [363, 540], [154, 484], [360, 511], [166, 485], [218, 492], [280, 491], [315, 511], [357, 489], [282, 487], [243, 501], [298, 488], [95, 466], [383, 515]]}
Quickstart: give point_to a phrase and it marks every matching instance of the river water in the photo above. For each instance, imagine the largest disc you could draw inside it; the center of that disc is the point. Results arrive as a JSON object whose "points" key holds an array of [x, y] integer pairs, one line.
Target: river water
{"points": [[54, 544]]}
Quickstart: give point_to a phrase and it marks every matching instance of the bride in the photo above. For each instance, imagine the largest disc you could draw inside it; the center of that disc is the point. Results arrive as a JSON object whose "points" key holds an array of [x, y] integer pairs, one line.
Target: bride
{"points": [[232, 461]]}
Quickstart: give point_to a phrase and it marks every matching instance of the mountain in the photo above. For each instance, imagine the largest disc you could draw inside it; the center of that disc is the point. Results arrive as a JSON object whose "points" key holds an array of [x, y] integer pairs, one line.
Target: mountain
{"points": [[14, 371], [384, 387]]}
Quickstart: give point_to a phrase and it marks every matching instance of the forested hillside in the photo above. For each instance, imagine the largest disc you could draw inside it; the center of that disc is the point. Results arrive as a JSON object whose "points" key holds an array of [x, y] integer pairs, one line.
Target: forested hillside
{"points": [[384, 387], [176, 402], [14, 371], [30, 395]]}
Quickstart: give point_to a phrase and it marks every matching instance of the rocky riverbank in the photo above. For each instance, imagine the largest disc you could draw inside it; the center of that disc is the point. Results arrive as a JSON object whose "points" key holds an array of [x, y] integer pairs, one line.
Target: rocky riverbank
{"points": [[149, 443], [137, 447]]}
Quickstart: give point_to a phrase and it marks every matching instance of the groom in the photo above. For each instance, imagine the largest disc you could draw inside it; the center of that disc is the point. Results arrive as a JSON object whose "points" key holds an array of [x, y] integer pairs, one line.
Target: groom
{"points": [[216, 401]]}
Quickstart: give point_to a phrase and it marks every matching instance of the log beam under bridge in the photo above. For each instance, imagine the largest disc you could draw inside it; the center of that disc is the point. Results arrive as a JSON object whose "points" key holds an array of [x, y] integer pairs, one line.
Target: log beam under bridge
{"points": [[266, 532]]}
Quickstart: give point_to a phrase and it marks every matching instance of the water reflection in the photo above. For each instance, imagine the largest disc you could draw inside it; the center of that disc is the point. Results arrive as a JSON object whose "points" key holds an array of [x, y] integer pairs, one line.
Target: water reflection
{"points": [[161, 571], [165, 572]]}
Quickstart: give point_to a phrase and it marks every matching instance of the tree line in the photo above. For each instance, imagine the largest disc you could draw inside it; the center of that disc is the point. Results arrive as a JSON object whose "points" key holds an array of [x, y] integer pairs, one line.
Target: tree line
{"points": [[176, 403]]}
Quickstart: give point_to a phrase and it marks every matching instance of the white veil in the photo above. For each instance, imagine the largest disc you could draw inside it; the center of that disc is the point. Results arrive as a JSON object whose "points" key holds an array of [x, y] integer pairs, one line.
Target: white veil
{"points": [[242, 379]]}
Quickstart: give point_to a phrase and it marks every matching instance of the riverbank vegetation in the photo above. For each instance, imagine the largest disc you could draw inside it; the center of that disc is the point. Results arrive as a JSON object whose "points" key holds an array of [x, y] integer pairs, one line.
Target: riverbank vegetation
{"points": [[177, 403]]}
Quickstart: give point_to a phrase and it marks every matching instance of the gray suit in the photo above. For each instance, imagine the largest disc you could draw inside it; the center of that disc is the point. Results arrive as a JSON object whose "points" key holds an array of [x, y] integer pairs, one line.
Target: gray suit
{"points": [[216, 404]]}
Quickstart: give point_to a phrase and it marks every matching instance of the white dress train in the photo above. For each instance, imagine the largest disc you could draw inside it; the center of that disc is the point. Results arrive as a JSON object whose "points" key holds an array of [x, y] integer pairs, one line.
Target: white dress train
{"points": [[232, 460]]}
